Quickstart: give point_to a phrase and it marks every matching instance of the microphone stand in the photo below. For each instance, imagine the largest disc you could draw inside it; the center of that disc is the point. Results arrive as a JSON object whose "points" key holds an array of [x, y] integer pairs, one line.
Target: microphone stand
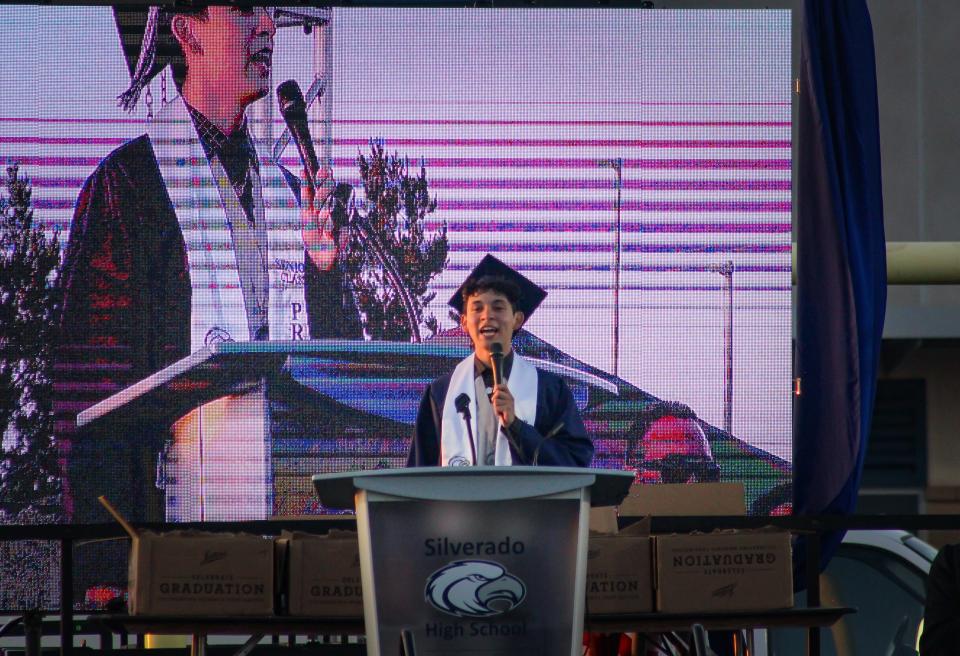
{"points": [[407, 647], [536, 452]]}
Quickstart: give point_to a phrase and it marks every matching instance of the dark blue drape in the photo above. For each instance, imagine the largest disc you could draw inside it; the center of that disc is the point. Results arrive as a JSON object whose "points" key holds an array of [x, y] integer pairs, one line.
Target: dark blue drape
{"points": [[841, 258]]}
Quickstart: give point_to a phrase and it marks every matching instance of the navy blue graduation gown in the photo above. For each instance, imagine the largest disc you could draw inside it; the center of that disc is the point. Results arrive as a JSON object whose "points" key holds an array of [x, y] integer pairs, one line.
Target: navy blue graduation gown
{"points": [[569, 446], [126, 314]]}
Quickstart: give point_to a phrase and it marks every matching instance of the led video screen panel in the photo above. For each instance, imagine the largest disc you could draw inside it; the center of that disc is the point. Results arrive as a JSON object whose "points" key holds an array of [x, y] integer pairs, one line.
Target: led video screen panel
{"points": [[635, 164]]}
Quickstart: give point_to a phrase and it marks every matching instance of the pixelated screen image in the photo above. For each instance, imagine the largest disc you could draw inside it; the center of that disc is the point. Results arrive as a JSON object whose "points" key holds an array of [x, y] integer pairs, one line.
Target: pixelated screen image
{"points": [[636, 164]]}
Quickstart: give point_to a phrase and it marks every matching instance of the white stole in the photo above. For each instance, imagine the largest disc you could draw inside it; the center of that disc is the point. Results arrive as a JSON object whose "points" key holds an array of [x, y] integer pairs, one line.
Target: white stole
{"points": [[454, 441], [206, 204]]}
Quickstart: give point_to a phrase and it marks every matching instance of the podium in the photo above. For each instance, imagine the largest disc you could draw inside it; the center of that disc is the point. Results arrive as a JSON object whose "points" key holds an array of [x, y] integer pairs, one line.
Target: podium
{"points": [[474, 560], [235, 430]]}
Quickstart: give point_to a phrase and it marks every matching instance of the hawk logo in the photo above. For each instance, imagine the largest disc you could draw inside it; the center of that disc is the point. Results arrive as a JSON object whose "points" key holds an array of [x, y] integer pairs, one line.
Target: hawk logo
{"points": [[458, 461], [725, 591], [216, 335], [474, 588]]}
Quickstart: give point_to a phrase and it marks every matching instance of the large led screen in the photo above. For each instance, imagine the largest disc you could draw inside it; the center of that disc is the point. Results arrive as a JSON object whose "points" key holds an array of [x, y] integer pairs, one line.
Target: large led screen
{"points": [[636, 164]]}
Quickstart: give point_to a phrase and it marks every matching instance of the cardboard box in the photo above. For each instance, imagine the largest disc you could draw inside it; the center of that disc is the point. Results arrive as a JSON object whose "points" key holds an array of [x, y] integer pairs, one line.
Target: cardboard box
{"points": [[194, 573], [723, 571], [603, 520], [324, 575], [684, 499], [619, 569]]}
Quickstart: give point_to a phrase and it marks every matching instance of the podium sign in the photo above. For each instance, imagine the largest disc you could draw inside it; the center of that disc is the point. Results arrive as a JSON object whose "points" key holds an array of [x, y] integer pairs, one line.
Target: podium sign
{"points": [[489, 580], [475, 560]]}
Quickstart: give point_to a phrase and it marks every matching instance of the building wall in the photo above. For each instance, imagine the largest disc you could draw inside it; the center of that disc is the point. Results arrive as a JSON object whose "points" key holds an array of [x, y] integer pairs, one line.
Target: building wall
{"points": [[918, 85], [917, 48]]}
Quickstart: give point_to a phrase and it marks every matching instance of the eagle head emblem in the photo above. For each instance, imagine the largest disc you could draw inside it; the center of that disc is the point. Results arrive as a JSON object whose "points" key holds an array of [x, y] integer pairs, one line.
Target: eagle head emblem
{"points": [[474, 588]]}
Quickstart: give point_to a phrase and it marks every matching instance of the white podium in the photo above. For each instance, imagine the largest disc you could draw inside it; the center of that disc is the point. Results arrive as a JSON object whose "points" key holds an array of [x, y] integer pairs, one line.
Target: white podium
{"points": [[474, 560]]}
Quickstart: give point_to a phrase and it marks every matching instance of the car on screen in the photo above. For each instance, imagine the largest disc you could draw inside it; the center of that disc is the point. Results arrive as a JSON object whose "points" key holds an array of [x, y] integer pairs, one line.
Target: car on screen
{"points": [[372, 391]]}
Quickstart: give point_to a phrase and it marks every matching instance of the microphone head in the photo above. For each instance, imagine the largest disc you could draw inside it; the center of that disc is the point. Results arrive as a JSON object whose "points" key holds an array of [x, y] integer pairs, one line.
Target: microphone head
{"points": [[290, 98], [462, 402], [496, 348]]}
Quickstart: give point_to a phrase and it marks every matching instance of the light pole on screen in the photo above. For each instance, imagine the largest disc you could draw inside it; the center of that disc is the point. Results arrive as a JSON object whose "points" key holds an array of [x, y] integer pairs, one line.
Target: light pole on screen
{"points": [[617, 165], [726, 270]]}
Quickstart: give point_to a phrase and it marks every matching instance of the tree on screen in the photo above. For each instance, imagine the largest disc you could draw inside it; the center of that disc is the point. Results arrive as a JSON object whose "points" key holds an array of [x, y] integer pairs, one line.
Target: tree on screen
{"points": [[391, 220], [29, 475]]}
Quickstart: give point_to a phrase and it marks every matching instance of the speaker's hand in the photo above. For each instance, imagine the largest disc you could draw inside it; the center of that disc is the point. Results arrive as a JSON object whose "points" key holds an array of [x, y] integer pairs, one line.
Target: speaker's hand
{"points": [[316, 220]]}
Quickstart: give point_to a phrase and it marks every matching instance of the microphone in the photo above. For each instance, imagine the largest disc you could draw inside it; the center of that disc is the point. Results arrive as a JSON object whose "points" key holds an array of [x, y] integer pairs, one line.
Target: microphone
{"points": [[462, 404], [293, 108], [496, 362]]}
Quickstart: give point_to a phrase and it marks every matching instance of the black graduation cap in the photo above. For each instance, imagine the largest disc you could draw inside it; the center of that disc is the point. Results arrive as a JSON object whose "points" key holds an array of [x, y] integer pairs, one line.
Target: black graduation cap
{"points": [[148, 43], [531, 295]]}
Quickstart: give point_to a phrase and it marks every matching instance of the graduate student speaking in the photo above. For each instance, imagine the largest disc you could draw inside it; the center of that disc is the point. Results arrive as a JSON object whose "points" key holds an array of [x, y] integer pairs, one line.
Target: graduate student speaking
{"points": [[530, 419], [185, 237]]}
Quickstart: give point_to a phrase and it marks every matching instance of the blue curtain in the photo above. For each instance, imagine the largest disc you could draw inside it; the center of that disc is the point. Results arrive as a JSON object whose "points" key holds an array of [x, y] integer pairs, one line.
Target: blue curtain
{"points": [[841, 259]]}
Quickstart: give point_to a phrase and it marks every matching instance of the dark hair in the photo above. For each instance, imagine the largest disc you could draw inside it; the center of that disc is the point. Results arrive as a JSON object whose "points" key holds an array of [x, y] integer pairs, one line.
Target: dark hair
{"points": [[499, 284], [662, 409]]}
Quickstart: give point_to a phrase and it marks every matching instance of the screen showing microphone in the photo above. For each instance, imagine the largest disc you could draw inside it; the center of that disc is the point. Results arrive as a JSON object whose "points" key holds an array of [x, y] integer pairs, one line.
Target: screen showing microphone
{"points": [[293, 109]]}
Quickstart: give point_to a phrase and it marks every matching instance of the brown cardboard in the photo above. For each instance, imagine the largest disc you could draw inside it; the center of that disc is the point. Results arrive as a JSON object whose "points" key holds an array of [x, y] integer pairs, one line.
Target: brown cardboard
{"points": [[619, 568], [684, 499], [603, 520], [723, 571], [324, 575], [193, 573]]}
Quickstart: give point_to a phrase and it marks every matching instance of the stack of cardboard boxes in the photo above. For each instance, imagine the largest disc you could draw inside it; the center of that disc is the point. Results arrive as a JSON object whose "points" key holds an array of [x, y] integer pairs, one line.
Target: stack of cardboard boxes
{"points": [[196, 574], [631, 572], [628, 572]]}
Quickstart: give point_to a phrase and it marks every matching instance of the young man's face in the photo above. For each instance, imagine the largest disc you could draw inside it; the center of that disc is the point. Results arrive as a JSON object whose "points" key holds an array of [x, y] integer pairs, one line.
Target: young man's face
{"points": [[488, 317], [674, 450], [232, 51]]}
